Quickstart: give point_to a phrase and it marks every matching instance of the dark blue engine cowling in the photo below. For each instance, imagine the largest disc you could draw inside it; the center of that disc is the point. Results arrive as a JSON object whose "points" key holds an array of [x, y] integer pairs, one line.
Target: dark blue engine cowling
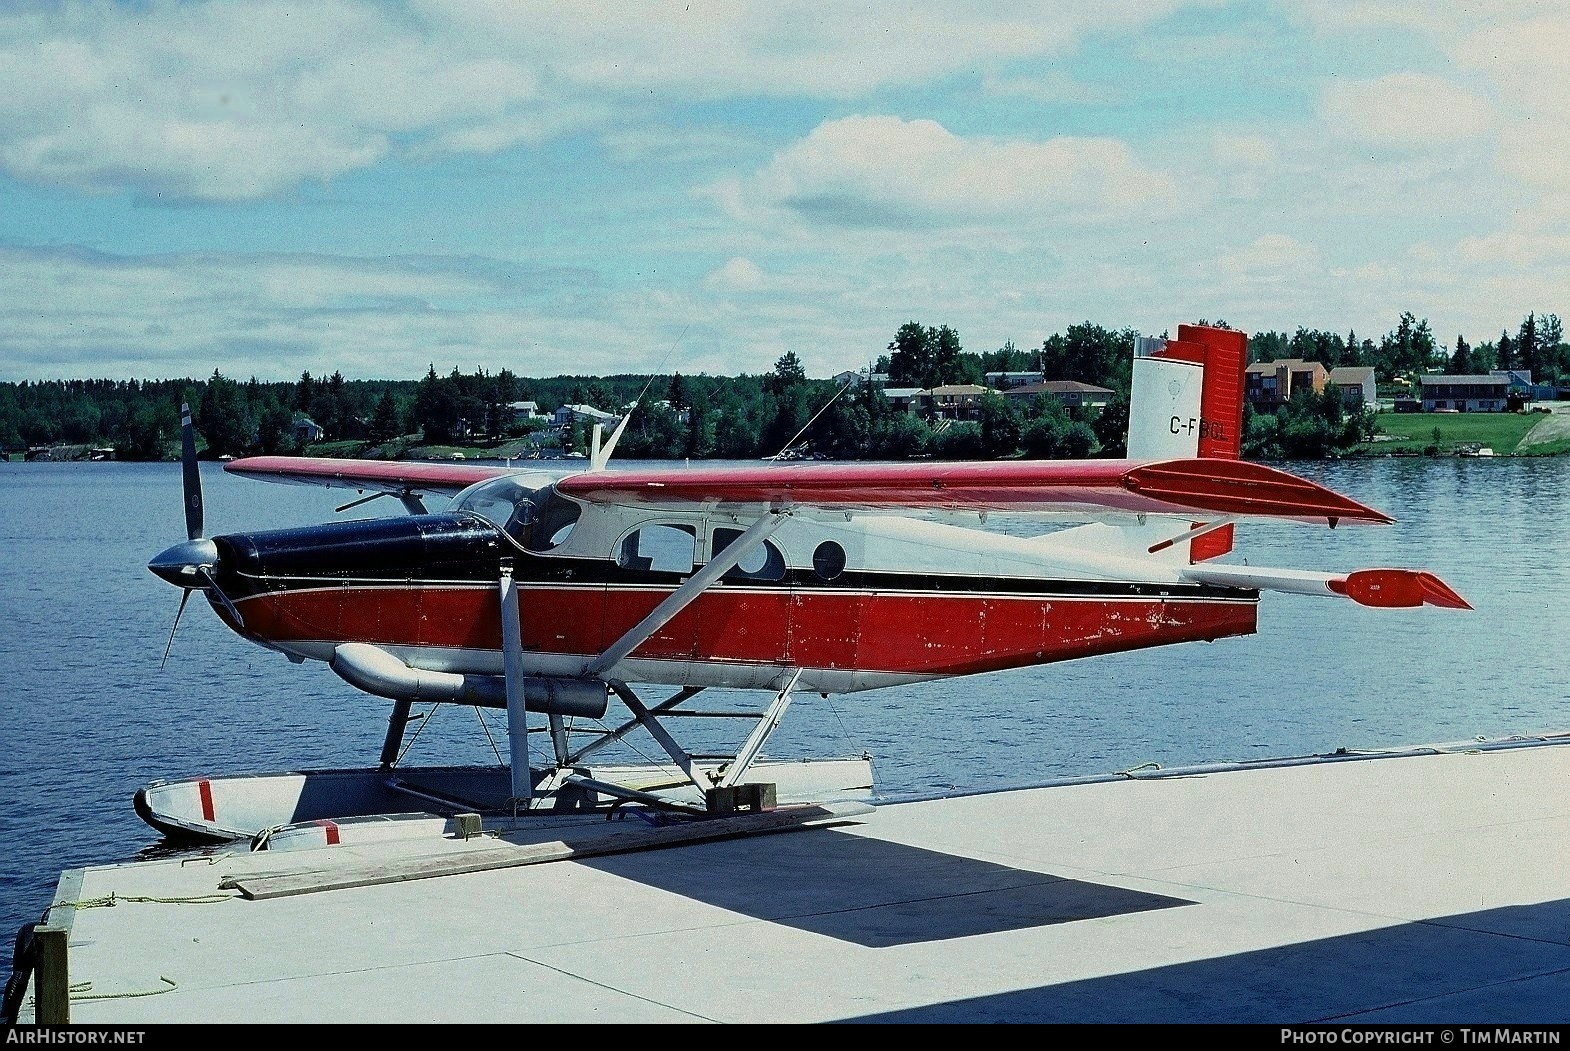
{"points": [[410, 547]]}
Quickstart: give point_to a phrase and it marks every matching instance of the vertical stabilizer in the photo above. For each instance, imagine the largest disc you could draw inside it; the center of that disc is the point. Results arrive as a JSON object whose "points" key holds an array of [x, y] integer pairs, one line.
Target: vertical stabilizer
{"points": [[1186, 398], [1186, 401]]}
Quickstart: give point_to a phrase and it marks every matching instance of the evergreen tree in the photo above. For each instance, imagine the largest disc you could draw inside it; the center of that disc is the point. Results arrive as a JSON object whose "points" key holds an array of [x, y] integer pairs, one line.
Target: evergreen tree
{"points": [[304, 392], [385, 424], [1461, 358], [223, 418], [1529, 349]]}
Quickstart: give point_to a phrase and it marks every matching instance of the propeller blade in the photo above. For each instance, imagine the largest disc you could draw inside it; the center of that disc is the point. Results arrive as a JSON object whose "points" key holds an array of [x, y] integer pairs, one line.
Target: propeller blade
{"points": [[184, 596], [190, 476], [213, 589]]}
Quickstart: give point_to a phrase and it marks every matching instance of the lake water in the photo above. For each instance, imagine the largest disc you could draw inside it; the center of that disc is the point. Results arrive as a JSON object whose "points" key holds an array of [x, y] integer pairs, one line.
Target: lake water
{"points": [[88, 716]]}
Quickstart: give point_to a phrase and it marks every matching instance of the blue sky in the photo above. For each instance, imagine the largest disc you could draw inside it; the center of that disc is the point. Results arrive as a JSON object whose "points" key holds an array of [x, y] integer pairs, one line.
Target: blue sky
{"points": [[267, 187]]}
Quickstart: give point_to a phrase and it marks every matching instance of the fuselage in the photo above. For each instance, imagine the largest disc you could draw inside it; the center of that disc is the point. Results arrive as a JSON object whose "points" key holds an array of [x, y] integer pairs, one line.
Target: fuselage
{"points": [[852, 603]]}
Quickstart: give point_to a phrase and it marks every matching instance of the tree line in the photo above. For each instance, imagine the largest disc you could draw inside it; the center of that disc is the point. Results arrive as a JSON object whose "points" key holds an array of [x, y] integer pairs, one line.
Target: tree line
{"points": [[746, 416]]}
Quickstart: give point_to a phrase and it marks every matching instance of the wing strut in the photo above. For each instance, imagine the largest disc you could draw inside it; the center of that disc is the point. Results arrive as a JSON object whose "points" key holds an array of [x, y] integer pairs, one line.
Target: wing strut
{"points": [[678, 600]]}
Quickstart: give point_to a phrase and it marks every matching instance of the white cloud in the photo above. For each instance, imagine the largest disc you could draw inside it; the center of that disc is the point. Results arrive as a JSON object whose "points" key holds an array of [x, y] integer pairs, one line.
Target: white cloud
{"points": [[1526, 249], [227, 100], [718, 48], [85, 313], [1272, 256], [880, 171], [1413, 109], [738, 274]]}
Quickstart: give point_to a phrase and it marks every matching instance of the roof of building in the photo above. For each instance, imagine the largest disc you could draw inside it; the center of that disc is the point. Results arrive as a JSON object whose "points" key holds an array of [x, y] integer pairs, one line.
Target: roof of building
{"points": [[588, 410], [901, 392], [1058, 387], [1451, 381], [1291, 364], [959, 388]]}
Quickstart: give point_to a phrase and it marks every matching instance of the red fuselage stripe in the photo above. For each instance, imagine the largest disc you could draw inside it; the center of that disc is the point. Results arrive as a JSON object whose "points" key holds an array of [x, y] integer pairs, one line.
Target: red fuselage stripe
{"points": [[923, 633]]}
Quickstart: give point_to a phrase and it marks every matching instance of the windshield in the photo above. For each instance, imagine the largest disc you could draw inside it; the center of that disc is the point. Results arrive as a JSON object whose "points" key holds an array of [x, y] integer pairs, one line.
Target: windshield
{"points": [[537, 519]]}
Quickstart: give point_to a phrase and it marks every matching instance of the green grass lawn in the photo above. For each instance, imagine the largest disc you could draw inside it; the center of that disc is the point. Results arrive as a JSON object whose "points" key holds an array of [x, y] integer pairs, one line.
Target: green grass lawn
{"points": [[1414, 432]]}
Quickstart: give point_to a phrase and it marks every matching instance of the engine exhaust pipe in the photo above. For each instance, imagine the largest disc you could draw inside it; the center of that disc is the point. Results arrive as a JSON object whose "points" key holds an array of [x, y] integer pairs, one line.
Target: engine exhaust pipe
{"points": [[374, 670]]}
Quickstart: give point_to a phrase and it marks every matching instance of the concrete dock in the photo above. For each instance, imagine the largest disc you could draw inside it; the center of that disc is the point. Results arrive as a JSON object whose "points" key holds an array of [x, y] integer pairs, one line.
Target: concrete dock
{"points": [[1426, 885]]}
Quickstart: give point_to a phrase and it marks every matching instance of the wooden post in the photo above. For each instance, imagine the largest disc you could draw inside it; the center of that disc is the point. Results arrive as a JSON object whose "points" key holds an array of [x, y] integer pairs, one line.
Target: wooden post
{"points": [[51, 977]]}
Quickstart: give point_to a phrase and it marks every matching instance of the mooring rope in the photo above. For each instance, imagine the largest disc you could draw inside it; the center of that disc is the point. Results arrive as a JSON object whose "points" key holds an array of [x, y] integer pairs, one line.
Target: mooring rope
{"points": [[79, 991], [111, 900]]}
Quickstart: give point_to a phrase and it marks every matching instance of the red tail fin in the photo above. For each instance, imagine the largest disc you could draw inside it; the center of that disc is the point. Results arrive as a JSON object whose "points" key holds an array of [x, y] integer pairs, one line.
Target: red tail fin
{"points": [[1223, 354]]}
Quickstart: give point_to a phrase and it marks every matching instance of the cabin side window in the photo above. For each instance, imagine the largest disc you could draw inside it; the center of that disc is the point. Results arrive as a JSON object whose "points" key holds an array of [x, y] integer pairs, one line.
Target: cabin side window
{"points": [[828, 561], [763, 562], [658, 549]]}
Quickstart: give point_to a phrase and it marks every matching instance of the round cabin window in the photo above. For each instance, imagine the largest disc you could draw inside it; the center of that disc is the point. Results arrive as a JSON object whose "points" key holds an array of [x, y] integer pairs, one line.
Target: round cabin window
{"points": [[828, 561]]}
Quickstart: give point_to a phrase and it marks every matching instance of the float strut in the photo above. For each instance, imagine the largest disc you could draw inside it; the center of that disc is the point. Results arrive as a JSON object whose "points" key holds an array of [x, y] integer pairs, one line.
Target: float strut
{"points": [[395, 727], [517, 714]]}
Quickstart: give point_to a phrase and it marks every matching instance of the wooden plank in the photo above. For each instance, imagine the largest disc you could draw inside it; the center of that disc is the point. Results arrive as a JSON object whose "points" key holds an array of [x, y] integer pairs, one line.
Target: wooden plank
{"points": [[507, 855]]}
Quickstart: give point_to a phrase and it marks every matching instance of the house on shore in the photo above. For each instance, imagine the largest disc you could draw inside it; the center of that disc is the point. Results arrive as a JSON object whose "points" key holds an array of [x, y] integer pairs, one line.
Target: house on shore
{"points": [[1357, 386], [1072, 393], [1270, 384], [564, 416], [1464, 393], [523, 412], [954, 401], [1005, 381], [306, 430]]}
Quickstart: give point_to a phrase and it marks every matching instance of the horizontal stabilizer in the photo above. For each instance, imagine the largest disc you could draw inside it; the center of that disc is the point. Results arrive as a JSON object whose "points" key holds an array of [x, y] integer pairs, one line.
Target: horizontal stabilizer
{"points": [[1384, 588], [1398, 587]]}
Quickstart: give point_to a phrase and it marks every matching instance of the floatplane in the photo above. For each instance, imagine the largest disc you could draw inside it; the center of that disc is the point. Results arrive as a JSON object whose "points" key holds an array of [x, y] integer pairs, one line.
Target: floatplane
{"points": [[551, 594]]}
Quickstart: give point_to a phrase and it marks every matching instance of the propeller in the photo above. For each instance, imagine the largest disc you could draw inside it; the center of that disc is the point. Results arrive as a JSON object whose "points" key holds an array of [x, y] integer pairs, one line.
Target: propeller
{"points": [[190, 565]]}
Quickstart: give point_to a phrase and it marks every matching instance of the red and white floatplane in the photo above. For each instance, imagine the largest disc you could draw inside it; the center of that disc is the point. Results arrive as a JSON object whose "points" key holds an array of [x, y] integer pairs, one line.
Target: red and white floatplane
{"points": [[559, 593]]}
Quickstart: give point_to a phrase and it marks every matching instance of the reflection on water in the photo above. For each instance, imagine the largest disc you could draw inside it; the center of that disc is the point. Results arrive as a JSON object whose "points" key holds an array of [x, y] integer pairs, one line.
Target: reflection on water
{"points": [[89, 716]]}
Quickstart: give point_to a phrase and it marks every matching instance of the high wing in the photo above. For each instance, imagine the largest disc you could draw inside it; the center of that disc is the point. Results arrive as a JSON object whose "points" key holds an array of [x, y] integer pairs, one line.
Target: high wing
{"points": [[1170, 487], [393, 478], [1186, 487]]}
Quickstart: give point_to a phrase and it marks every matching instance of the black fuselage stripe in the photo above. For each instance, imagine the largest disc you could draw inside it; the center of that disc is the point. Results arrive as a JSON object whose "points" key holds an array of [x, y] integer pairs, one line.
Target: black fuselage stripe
{"points": [[803, 584]]}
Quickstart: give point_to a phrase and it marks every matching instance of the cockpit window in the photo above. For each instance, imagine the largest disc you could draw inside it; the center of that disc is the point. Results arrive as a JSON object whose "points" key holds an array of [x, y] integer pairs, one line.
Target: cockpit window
{"points": [[538, 519]]}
